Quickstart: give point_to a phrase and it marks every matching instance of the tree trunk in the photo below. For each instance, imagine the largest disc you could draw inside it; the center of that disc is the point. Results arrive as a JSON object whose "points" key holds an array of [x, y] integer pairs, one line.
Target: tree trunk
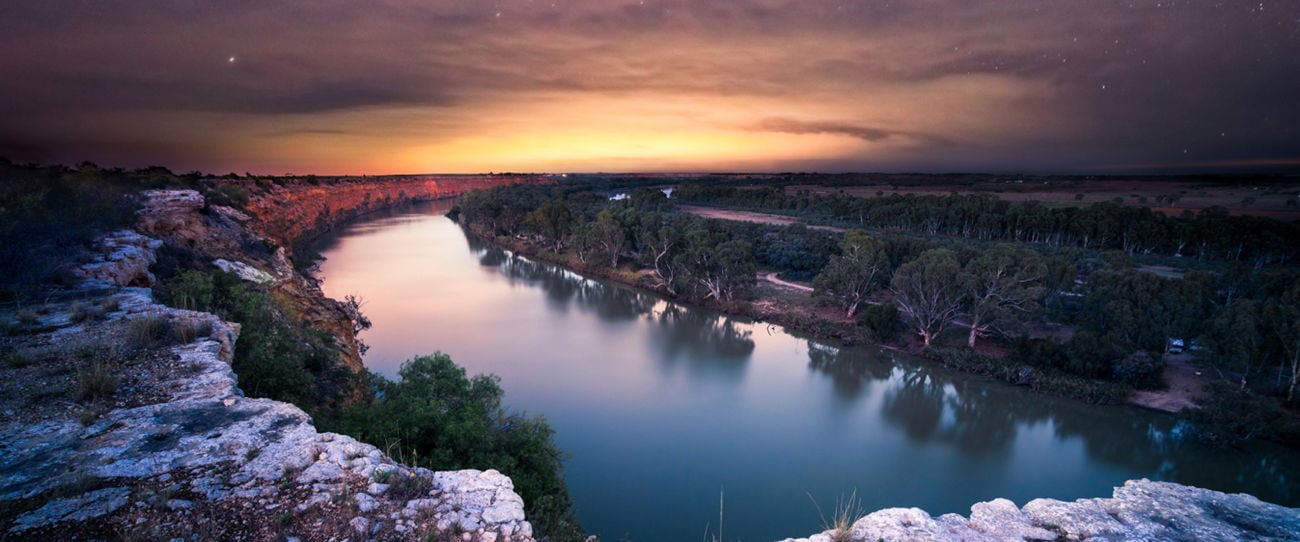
{"points": [[1295, 375], [974, 328]]}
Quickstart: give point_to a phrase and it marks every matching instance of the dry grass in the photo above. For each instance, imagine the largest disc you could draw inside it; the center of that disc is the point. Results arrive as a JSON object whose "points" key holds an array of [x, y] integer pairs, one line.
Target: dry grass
{"points": [[847, 511], [95, 380], [149, 332]]}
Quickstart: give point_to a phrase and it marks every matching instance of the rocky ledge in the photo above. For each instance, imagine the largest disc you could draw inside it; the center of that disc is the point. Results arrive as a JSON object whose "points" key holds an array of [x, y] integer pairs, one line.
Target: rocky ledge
{"points": [[103, 438], [1139, 510]]}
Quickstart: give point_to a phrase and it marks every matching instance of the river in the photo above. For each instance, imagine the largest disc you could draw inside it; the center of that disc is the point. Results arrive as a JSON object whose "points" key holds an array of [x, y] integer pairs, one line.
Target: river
{"points": [[666, 409]]}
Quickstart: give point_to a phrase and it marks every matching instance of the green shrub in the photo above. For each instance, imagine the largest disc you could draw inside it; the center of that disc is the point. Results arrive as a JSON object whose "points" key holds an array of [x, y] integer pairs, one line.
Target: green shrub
{"points": [[882, 321], [190, 290], [229, 195], [450, 421]]}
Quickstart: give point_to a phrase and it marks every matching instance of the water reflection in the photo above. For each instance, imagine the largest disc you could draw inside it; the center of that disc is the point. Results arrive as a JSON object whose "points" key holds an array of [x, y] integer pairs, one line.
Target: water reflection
{"points": [[660, 404], [850, 370], [931, 405]]}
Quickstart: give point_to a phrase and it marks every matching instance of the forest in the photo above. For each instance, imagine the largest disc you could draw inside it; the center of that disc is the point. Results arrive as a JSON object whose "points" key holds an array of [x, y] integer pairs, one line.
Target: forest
{"points": [[969, 280]]}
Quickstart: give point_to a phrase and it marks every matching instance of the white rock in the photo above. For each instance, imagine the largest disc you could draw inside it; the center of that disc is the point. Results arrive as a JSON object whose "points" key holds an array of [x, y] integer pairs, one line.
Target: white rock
{"points": [[360, 524], [244, 271]]}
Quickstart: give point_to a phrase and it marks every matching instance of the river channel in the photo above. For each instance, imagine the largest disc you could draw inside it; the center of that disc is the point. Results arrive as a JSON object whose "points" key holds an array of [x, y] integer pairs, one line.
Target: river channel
{"points": [[665, 408]]}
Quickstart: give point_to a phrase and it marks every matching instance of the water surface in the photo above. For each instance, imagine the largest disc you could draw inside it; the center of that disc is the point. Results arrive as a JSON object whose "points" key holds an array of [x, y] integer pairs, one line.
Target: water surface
{"points": [[664, 408]]}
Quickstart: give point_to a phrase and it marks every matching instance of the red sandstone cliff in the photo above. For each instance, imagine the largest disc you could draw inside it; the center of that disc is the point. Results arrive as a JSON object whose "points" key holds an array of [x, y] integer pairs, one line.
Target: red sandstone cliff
{"points": [[291, 209], [288, 210]]}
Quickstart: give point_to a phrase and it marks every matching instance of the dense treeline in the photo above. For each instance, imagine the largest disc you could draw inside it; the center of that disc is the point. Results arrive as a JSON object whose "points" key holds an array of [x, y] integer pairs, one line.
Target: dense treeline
{"points": [[698, 259], [1210, 234], [1118, 320]]}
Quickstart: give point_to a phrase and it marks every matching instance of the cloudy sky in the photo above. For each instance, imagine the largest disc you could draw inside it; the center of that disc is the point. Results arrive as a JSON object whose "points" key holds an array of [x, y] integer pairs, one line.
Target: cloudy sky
{"points": [[401, 86]]}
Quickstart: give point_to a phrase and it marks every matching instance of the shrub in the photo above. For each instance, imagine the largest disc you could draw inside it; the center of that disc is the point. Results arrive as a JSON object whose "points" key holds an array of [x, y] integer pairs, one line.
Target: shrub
{"points": [[450, 421], [95, 380], [190, 330], [882, 321], [1229, 415], [407, 486], [229, 195], [1141, 370], [14, 357], [191, 290], [149, 332]]}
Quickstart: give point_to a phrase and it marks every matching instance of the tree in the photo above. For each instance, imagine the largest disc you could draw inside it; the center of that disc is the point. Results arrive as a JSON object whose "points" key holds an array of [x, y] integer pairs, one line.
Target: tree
{"points": [[553, 222], [1236, 337], [660, 241], [724, 267], [608, 234], [1002, 286], [851, 276], [1283, 320], [928, 293]]}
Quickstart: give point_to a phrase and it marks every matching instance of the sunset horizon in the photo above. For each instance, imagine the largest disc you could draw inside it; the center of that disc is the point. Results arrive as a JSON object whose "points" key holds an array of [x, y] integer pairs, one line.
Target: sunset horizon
{"points": [[655, 86]]}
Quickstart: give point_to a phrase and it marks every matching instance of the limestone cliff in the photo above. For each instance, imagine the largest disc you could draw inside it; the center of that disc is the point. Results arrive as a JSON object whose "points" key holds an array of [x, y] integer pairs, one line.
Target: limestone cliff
{"points": [[109, 435], [1139, 510]]}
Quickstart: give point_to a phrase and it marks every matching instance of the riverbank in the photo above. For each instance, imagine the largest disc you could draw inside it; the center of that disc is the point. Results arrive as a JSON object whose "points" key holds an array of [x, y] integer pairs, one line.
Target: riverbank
{"points": [[790, 305]]}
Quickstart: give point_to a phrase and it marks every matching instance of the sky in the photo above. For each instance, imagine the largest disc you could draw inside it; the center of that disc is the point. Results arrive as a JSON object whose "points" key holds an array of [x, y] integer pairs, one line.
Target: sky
{"points": [[425, 86]]}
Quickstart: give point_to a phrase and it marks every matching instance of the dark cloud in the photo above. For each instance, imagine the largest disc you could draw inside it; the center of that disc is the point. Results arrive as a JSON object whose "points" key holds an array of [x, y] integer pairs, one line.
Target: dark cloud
{"points": [[1063, 85], [791, 126]]}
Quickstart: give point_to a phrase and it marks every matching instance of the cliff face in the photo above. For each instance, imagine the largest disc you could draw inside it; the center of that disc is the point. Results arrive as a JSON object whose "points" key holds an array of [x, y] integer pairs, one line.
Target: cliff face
{"points": [[111, 431], [300, 208], [290, 210]]}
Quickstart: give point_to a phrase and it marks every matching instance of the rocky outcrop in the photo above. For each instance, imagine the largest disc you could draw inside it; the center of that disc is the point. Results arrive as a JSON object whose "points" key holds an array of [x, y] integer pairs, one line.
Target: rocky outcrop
{"points": [[123, 259], [179, 452], [1139, 510], [225, 237]]}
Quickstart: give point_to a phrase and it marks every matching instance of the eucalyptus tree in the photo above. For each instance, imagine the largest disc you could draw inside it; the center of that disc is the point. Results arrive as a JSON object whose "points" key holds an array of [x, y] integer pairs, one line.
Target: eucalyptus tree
{"points": [[851, 276], [609, 236], [553, 222], [1236, 338], [1002, 286], [660, 242], [928, 292], [1283, 320], [722, 266]]}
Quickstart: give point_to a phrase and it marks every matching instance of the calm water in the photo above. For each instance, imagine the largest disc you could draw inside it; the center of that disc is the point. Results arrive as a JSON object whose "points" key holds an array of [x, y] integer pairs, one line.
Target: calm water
{"points": [[663, 407]]}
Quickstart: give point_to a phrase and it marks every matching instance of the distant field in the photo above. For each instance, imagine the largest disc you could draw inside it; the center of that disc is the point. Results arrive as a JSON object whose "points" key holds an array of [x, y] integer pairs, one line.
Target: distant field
{"points": [[1167, 196]]}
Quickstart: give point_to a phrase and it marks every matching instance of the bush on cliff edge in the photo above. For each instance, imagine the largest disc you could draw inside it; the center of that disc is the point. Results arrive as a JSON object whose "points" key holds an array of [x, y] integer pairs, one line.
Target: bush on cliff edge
{"points": [[440, 418]]}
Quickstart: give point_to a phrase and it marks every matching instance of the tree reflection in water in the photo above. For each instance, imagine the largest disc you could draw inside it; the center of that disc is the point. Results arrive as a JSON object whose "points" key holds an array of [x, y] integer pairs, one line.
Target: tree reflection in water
{"points": [[927, 403], [932, 405]]}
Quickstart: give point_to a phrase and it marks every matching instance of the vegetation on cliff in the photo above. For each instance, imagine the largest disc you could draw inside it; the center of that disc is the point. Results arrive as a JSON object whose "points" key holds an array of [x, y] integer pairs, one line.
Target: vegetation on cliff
{"points": [[47, 214]]}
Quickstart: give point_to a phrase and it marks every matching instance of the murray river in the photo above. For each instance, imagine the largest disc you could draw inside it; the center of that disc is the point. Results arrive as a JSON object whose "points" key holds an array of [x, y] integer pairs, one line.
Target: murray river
{"points": [[665, 408]]}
